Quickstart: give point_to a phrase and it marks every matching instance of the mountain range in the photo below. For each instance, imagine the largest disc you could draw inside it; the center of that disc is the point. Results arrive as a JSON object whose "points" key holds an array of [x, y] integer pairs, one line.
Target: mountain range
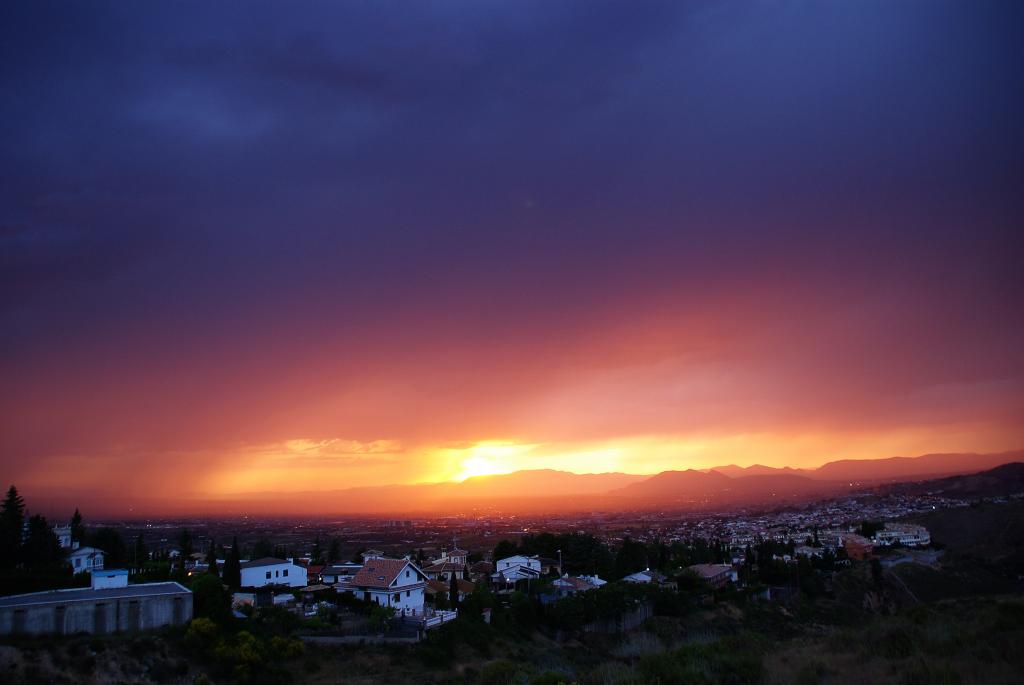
{"points": [[554, 491]]}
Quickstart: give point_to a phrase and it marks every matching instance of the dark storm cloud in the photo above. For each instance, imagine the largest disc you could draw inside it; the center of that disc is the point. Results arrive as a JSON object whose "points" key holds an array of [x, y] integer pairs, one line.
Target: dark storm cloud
{"points": [[231, 221]]}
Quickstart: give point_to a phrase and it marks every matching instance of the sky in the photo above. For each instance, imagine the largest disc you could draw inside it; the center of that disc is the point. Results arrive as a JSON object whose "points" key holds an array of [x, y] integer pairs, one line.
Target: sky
{"points": [[253, 247]]}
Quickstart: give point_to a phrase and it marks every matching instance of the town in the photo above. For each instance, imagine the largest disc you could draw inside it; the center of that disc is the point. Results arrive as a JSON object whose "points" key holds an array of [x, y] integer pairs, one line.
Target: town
{"points": [[420, 570]]}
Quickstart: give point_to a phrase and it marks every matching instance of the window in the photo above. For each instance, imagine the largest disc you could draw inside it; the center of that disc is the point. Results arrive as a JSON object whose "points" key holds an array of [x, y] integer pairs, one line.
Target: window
{"points": [[268, 575], [406, 593], [406, 574], [398, 596], [285, 573], [277, 574], [78, 562]]}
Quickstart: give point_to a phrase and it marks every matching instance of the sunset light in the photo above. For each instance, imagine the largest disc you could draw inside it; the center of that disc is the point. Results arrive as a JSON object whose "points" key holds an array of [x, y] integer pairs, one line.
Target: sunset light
{"points": [[512, 342], [402, 256]]}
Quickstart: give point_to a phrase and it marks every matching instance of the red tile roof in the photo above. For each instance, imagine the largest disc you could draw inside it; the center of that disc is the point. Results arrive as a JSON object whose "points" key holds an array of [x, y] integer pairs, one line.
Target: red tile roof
{"points": [[444, 566], [380, 573], [437, 587]]}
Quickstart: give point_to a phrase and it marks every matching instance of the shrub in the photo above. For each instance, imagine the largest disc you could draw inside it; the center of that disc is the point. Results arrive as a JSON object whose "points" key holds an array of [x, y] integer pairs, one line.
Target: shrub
{"points": [[502, 672]]}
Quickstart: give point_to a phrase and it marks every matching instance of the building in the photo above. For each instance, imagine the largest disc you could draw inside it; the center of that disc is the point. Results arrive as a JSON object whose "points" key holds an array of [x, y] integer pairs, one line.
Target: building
{"points": [[339, 573], [63, 533], [396, 583], [481, 570], [570, 585], [907, 534], [86, 559], [110, 605], [271, 571], [715, 575], [808, 551], [857, 546], [108, 578], [511, 570], [313, 572], [435, 588], [449, 564], [648, 576]]}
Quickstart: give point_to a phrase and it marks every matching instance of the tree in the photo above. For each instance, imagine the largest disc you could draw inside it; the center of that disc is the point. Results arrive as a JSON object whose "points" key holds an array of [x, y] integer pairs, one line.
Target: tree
{"points": [[869, 528], [211, 560], [41, 548], [12, 523], [77, 528], [110, 541], [210, 599], [876, 572], [233, 567], [185, 545], [334, 551], [453, 592], [317, 555], [263, 548], [505, 549], [139, 553], [632, 557]]}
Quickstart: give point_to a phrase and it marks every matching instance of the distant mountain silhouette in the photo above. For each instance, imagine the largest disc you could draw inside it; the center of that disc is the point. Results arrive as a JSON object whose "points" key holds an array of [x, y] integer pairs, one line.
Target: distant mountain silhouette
{"points": [[714, 487], [904, 468], [676, 484], [1000, 481], [545, 483], [552, 491], [734, 471]]}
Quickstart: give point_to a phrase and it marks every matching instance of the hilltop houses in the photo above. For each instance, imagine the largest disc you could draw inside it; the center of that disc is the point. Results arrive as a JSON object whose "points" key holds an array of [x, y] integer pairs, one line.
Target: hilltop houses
{"points": [[86, 559], [339, 573], [907, 534], [648, 576], [566, 585], [449, 564], [857, 546], [511, 570], [272, 571], [715, 575], [395, 583]]}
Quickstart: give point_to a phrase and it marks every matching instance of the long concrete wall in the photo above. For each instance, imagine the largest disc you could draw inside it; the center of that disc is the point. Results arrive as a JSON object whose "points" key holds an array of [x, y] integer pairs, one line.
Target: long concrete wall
{"points": [[97, 616]]}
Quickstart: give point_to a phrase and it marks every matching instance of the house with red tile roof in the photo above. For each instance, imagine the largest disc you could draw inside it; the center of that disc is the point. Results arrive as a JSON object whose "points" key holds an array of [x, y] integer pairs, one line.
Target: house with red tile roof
{"points": [[396, 583], [570, 585], [450, 563]]}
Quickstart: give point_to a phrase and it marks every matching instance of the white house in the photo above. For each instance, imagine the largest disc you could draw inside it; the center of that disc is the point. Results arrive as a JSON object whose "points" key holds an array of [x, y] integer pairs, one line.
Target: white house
{"points": [[511, 570], [63, 533], [86, 559], [518, 562], [638, 577], [396, 583], [716, 575], [271, 571], [449, 564], [648, 576], [339, 573], [904, 533], [569, 585]]}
